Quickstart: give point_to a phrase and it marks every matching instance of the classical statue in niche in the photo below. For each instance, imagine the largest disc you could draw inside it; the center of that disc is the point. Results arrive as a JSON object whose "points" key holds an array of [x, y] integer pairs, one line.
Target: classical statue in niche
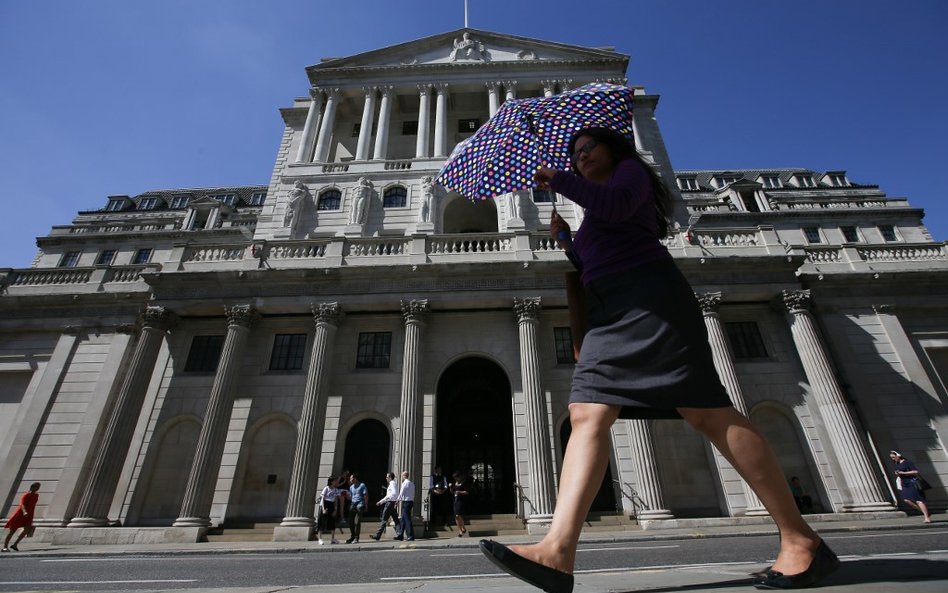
{"points": [[360, 202], [468, 49], [294, 208], [513, 206], [428, 196]]}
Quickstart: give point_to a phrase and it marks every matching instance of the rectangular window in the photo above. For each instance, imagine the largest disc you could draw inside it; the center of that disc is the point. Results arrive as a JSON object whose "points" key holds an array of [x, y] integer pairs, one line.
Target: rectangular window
{"points": [[563, 339], [888, 232], [838, 179], [375, 350], [179, 202], [106, 257], [771, 181], [142, 256], [850, 234], [69, 260], [258, 198], [204, 354], [409, 128], [687, 183], [804, 180], [746, 341], [812, 234], [750, 201], [468, 126], [115, 205], [147, 203], [287, 352], [229, 199], [723, 180], [543, 196]]}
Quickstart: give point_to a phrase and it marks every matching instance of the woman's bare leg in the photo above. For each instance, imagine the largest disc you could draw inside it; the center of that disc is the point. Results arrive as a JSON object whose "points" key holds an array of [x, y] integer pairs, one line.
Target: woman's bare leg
{"points": [[921, 507], [584, 464], [750, 454]]}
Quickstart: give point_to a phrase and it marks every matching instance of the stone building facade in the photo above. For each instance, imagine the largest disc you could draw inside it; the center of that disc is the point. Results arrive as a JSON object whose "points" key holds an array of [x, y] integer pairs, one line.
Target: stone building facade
{"points": [[187, 358]]}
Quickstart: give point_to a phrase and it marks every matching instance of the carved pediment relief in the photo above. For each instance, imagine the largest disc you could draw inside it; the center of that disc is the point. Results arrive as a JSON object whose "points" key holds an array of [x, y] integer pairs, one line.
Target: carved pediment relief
{"points": [[468, 46]]}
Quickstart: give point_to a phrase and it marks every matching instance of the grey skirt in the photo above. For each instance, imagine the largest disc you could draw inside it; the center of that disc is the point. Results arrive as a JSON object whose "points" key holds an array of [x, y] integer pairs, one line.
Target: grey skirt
{"points": [[646, 348]]}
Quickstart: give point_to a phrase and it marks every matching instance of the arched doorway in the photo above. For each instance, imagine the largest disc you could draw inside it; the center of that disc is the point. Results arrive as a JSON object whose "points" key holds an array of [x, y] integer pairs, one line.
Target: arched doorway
{"points": [[265, 485], [685, 469], [475, 432], [169, 473], [464, 216], [605, 501], [368, 446], [784, 438]]}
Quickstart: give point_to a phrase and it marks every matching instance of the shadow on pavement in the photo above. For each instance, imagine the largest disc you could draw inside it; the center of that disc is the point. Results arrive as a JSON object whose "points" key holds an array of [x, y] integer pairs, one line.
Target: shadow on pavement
{"points": [[852, 572]]}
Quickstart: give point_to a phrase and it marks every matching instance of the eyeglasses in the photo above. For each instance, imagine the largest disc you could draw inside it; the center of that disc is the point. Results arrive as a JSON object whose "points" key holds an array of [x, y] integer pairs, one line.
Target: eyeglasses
{"points": [[584, 149]]}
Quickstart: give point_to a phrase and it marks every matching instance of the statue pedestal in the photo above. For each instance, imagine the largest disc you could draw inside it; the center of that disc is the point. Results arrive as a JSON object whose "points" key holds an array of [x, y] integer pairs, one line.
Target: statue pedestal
{"points": [[424, 227], [516, 224], [353, 230]]}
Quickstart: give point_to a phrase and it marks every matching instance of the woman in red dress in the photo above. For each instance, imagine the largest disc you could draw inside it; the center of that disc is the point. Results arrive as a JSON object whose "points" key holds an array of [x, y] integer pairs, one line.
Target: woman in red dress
{"points": [[22, 517]]}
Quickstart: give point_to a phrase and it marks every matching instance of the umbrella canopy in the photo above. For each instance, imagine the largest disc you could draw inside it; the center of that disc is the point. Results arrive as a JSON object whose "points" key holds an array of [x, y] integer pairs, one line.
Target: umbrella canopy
{"points": [[525, 134]]}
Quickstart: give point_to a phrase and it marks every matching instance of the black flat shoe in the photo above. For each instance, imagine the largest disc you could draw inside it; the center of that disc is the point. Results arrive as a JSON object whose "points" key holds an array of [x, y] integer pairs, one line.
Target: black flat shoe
{"points": [[543, 577], [824, 562]]}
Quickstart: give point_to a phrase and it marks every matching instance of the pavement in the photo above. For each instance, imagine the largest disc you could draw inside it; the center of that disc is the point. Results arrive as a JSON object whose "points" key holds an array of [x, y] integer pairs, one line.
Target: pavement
{"points": [[914, 573]]}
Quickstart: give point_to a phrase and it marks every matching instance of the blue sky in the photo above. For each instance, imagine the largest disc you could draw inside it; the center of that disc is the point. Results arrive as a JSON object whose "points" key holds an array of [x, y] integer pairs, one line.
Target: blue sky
{"points": [[102, 97]]}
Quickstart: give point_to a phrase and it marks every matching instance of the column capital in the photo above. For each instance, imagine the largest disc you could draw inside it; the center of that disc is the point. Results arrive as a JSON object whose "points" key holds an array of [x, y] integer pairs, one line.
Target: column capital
{"points": [[72, 330], [332, 92], [440, 87], [796, 301], [709, 301], [549, 86], [565, 84], [240, 315], [493, 85], [510, 84], [158, 317], [370, 89], [887, 309], [424, 89], [386, 89], [527, 309], [327, 313], [316, 93], [415, 310]]}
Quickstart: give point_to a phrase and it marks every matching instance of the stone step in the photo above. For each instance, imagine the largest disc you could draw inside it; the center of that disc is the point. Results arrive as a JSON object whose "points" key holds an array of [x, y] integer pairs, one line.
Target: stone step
{"points": [[242, 532]]}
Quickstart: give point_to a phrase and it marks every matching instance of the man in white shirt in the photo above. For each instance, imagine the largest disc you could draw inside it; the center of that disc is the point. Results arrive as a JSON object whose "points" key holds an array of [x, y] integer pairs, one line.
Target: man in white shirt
{"points": [[406, 499], [390, 508]]}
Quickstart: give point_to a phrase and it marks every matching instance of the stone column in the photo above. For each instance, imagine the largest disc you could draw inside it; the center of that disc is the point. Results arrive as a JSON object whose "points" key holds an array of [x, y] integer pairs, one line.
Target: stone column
{"points": [[510, 87], [365, 128], [411, 410], [493, 101], [549, 87], [441, 121], [540, 458], [96, 499], [303, 485], [385, 116], [309, 128], [424, 117], [326, 125], [650, 485], [199, 493], [860, 483], [724, 363]]}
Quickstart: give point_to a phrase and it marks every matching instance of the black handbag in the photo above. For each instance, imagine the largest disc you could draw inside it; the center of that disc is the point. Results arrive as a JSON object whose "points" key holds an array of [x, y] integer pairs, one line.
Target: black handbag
{"points": [[923, 484]]}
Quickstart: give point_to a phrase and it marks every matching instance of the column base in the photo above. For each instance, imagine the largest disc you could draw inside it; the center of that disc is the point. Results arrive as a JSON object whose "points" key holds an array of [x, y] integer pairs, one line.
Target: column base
{"points": [[297, 522], [654, 515], [870, 507], [296, 533], [88, 522], [192, 522], [539, 524]]}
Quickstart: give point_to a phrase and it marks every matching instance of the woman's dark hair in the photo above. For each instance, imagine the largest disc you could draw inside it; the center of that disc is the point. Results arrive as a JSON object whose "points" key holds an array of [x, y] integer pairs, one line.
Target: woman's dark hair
{"points": [[621, 149]]}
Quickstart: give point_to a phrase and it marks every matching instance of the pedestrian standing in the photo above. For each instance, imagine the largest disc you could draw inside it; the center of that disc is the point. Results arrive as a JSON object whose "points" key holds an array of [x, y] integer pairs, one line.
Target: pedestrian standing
{"points": [[358, 498], [327, 523]]}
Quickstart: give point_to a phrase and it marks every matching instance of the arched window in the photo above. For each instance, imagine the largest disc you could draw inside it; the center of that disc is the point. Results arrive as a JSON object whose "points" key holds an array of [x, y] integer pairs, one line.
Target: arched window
{"points": [[331, 199], [395, 197]]}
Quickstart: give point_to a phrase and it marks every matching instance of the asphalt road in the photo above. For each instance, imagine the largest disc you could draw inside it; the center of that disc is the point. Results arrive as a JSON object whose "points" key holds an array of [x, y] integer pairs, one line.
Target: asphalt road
{"points": [[369, 563]]}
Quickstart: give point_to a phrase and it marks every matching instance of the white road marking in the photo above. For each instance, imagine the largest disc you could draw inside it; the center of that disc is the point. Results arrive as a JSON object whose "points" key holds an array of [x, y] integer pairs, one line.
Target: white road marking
{"points": [[136, 582]]}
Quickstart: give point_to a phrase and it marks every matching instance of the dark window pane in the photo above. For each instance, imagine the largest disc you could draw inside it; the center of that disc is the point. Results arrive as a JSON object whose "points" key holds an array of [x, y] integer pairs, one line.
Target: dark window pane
{"points": [[888, 232], [141, 256], [468, 126], [850, 234], [409, 128], [204, 354], [563, 338], [543, 195], [812, 234], [395, 197], [330, 200], [288, 352], [69, 260], [375, 350], [745, 339], [106, 256]]}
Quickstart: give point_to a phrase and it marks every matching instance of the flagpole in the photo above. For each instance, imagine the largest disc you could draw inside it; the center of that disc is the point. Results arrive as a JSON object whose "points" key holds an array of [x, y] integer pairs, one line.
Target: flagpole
{"points": [[465, 14]]}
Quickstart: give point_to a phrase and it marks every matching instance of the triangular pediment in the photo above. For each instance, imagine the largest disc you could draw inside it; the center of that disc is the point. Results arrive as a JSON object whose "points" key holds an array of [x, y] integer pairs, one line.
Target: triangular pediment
{"points": [[467, 46]]}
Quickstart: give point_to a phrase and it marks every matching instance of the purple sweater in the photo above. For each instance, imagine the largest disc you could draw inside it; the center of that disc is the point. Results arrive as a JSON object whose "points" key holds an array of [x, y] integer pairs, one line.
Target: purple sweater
{"points": [[620, 230]]}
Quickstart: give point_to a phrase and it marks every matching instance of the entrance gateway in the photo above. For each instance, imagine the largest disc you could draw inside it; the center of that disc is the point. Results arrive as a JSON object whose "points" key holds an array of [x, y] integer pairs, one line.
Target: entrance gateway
{"points": [[475, 433]]}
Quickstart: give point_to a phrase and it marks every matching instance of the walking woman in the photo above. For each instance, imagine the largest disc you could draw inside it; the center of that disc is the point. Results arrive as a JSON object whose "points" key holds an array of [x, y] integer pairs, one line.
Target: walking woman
{"points": [[909, 483], [22, 518], [461, 489], [645, 355]]}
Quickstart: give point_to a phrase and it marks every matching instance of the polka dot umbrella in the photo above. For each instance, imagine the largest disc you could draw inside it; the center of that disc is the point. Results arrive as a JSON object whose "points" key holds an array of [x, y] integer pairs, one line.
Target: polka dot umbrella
{"points": [[524, 134]]}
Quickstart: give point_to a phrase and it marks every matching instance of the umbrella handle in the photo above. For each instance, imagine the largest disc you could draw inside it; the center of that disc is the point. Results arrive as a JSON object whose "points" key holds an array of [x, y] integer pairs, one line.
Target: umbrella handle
{"points": [[562, 235]]}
